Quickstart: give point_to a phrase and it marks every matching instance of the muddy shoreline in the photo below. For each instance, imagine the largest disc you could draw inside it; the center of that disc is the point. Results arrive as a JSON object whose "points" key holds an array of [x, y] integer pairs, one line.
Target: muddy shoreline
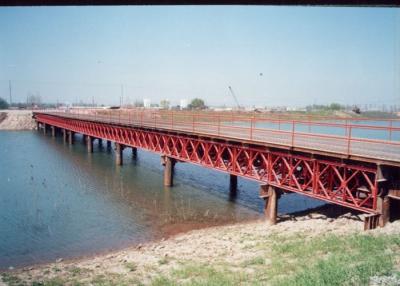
{"points": [[327, 213], [233, 242]]}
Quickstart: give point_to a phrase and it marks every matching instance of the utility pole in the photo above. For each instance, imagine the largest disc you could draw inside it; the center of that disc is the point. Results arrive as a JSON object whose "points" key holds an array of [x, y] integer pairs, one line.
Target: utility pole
{"points": [[122, 96], [9, 85]]}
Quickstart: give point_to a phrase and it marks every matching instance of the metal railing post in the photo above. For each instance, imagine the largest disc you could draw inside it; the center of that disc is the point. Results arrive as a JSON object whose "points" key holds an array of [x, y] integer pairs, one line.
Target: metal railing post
{"points": [[390, 129], [348, 141], [293, 133], [219, 124], [251, 128]]}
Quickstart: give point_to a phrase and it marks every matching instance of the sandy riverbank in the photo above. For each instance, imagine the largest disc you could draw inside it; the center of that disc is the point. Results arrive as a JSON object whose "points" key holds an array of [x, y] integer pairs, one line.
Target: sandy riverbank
{"points": [[255, 252], [16, 120]]}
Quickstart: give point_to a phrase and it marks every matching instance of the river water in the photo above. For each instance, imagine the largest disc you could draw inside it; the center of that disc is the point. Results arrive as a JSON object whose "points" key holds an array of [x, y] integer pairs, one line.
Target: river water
{"points": [[58, 201]]}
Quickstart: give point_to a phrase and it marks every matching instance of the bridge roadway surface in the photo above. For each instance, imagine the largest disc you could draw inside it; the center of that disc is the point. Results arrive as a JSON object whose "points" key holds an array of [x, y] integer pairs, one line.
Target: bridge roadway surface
{"points": [[343, 170], [363, 149]]}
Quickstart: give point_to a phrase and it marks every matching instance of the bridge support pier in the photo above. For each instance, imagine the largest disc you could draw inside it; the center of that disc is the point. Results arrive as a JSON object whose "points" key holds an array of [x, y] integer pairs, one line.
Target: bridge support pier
{"points": [[168, 164], [108, 145], [53, 131], [119, 148], [270, 195], [372, 221], [89, 144], [84, 139], [134, 153], [64, 132], [44, 128], [100, 142], [71, 135], [387, 178], [233, 181], [383, 205]]}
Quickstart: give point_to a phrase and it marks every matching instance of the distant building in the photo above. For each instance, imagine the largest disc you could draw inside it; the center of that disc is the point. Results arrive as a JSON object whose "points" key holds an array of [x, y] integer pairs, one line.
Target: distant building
{"points": [[184, 103], [147, 103]]}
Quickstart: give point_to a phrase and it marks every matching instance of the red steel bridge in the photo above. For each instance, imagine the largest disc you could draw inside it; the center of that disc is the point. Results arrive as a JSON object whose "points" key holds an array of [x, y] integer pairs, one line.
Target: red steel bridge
{"points": [[344, 162]]}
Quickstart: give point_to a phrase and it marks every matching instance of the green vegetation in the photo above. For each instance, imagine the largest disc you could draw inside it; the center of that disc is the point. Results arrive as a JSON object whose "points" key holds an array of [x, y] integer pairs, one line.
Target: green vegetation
{"points": [[326, 260], [131, 266], [3, 104], [197, 103], [330, 107], [274, 260]]}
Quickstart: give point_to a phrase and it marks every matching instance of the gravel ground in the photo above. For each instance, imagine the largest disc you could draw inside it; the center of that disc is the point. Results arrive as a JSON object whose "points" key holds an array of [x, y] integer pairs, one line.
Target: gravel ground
{"points": [[222, 243], [17, 120]]}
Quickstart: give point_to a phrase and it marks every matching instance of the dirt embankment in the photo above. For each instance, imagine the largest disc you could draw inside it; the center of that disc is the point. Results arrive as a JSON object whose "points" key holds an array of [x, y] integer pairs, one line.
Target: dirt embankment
{"points": [[16, 120], [250, 249]]}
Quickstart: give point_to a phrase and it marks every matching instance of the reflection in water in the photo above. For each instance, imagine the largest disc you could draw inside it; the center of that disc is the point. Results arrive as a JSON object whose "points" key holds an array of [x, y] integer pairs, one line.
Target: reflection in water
{"points": [[57, 200]]}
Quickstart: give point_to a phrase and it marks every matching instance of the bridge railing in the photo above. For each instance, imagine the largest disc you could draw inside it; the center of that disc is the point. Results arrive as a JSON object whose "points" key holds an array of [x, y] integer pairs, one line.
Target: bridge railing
{"points": [[373, 140]]}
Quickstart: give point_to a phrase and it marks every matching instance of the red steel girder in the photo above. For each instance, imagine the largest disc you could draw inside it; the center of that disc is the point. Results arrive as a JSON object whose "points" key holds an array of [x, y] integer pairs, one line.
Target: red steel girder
{"points": [[349, 185]]}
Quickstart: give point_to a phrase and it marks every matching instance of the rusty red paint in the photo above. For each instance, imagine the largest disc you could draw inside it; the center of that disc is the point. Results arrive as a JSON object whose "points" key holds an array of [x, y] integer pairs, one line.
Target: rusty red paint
{"points": [[349, 185]]}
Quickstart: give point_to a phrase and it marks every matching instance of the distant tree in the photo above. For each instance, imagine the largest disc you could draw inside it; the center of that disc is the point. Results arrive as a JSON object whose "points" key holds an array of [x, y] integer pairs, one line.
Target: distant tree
{"points": [[335, 106], [164, 104], [138, 103], [3, 104], [33, 99], [197, 103]]}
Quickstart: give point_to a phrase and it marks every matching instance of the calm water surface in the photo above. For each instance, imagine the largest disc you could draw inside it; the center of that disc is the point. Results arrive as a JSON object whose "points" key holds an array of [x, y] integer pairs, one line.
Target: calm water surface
{"points": [[59, 201]]}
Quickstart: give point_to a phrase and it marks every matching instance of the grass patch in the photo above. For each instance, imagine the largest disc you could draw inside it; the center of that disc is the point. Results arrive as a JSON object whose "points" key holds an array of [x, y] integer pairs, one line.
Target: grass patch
{"points": [[131, 266], [259, 260], [200, 274], [11, 280], [163, 261], [334, 260], [57, 281]]}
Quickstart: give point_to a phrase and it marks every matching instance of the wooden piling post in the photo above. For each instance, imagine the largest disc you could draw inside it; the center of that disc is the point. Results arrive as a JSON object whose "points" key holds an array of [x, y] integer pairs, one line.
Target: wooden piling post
{"points": [[71, 137], [233, 181], [89, 144], [119, 154], [64, 131], [270, 195], [383, 206], [169, 164], [134, 153]]}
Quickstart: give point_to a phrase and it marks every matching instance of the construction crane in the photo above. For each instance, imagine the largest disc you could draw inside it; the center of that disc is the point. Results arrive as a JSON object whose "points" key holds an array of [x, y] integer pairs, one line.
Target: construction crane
{"points": [[234, 97]]}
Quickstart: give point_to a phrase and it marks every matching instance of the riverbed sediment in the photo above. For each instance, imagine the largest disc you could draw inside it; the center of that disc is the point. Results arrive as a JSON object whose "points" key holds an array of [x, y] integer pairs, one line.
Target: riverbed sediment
{"points": [[245, 253]]}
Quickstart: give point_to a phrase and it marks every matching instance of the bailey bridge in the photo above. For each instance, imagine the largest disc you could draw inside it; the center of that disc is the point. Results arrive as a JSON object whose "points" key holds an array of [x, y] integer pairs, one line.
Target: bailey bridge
{"points": [[333, 161]]}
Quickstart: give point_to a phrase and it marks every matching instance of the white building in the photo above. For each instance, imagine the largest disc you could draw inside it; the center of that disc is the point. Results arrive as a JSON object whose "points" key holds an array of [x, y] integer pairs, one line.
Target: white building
{"points": [[147, 103], [184, 103]]}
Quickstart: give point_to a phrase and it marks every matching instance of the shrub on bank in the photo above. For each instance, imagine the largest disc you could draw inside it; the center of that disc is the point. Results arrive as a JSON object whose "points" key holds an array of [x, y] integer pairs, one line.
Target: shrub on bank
{"points": [[3, 104]]}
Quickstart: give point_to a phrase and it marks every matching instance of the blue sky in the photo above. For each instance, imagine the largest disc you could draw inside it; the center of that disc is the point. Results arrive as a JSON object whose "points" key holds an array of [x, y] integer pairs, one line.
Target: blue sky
{"points": [[305, 54]]}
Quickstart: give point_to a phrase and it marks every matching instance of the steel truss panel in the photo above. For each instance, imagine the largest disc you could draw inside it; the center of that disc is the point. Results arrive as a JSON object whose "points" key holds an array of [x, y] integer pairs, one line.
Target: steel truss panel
{"points": [[349, 185]]}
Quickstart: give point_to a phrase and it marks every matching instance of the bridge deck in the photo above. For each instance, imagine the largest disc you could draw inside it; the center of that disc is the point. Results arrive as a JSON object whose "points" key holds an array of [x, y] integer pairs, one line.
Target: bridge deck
{"points": [[335, 145]]}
